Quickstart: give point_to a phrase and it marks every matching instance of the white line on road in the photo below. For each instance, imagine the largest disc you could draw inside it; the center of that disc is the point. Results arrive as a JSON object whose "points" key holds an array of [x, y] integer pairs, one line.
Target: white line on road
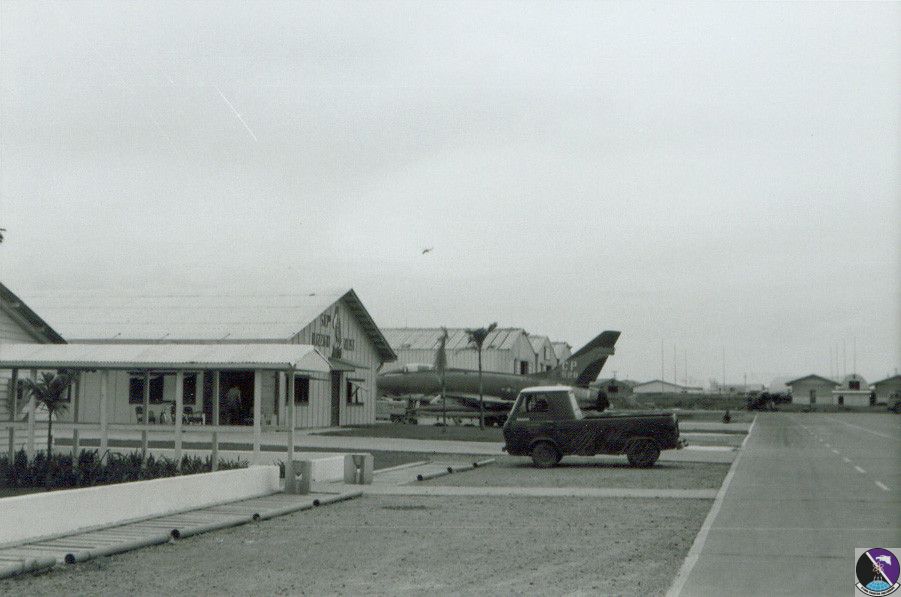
{"points": [[846, 459], [881, 486], [860, 470], [828, 446], [834, 451], [885, 435]]}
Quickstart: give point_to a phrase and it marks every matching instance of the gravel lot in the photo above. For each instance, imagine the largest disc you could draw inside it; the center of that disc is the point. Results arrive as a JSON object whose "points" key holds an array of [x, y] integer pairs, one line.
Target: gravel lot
{"points": [[408, 546], [574, 471]]}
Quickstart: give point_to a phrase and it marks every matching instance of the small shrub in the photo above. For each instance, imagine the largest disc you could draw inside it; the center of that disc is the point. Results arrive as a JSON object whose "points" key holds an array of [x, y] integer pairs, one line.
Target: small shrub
{"points": [[88, 469]]}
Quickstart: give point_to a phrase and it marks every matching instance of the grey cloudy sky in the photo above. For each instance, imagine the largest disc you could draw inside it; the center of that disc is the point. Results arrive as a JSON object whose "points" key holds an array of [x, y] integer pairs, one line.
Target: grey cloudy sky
{"points": [[718, 177]]}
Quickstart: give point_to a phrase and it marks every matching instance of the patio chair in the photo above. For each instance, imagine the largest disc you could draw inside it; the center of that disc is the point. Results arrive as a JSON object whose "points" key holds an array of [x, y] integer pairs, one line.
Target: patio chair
{"points": [[139, 414], [151, 416], [190, 418]]}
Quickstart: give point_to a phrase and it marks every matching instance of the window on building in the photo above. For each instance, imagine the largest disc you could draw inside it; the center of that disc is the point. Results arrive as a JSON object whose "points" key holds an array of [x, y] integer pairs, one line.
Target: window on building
{"points": [[524, 367], [301, 390], [136, 388], [354, 390], [854, 384]]}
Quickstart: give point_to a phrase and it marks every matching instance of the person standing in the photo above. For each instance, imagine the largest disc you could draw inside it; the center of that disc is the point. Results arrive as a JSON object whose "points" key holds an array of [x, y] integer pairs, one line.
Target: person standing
{"points": [[233, 405]]}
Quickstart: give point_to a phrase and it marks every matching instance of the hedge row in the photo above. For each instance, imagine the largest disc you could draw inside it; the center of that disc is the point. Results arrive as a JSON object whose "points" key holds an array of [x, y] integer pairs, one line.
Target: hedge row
{"points": [[90, 469]]}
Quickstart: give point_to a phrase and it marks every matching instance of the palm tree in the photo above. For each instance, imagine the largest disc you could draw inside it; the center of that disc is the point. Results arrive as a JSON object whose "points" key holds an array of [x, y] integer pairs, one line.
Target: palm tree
{"points": [[440, 368], [477, 337], [50, 390]]}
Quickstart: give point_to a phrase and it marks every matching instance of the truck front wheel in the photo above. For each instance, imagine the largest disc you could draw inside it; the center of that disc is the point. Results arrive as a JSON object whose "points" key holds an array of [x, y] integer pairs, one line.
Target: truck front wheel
{"points": [[643, 453], [545, 455]]}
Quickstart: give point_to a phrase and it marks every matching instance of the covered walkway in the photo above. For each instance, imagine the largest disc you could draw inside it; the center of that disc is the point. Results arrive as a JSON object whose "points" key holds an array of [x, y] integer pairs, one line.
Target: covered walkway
{"points": [[98, 362]]}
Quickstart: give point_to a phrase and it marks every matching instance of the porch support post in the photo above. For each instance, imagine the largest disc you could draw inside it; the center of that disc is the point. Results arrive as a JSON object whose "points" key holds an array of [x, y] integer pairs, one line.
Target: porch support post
{"points": [[76, 403], [14, 410], [179, 411], [104, 422], [146, 401], [29, 439], [214, 455], [257, 413], [290, 475], [280, 384]]}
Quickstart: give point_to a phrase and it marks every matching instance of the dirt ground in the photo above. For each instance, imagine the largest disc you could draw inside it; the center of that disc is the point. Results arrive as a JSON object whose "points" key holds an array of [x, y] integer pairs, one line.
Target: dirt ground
{"points": [[410, 546], [574, 471]]}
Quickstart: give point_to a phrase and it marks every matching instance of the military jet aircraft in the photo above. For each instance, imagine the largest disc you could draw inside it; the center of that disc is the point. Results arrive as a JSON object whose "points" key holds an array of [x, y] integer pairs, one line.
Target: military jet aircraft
{"points": [[500, 389]]}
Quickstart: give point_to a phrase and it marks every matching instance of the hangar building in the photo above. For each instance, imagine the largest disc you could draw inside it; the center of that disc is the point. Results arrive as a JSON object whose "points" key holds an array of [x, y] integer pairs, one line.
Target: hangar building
{"points": [[885, 388], [506, 350]]}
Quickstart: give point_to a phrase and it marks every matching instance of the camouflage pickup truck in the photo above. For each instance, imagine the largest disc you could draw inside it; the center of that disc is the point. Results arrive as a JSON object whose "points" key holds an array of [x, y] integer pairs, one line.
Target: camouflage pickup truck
{"points": [[547, 424]]}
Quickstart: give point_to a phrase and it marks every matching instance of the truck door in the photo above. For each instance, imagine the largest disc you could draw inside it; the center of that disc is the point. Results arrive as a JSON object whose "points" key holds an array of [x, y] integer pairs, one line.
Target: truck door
{"points": [[573, 435], [535, 416]]}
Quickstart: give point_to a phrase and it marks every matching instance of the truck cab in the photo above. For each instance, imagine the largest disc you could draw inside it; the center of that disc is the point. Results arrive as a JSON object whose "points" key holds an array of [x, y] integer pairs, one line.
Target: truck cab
{"points": [[546, 423]]}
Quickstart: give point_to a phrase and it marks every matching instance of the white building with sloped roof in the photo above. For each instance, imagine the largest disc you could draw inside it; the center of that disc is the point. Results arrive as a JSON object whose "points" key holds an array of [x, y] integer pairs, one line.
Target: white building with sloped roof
{"points": [[335, 322]]}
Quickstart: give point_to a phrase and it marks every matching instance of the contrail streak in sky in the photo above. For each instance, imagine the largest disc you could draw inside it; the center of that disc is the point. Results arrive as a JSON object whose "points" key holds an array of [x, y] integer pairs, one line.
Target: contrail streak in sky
{"points": [[225, 99]]}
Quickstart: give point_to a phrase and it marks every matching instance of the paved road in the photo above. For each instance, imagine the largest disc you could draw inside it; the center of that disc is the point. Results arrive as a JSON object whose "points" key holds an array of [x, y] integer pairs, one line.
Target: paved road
{"points": [[807, 489]]}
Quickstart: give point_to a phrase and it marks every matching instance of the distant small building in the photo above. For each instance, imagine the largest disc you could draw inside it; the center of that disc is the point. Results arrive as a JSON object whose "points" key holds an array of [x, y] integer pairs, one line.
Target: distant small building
{"points": [[812, 389], [735, 388], [658, 386], [852, 391], [545, 356], [885, 388], [614, 388]]}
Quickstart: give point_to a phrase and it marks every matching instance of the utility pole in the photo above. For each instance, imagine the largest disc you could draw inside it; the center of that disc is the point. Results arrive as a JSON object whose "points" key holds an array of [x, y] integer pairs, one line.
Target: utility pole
{"points": [[661, 359], [724, 369]]}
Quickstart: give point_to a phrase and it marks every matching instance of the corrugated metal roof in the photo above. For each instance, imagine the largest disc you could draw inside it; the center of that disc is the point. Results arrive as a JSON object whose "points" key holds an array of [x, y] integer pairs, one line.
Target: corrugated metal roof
{"points": [[428, 338], [101, 315], [562, 349], [538, 340], [113, 316], [163, 356]]}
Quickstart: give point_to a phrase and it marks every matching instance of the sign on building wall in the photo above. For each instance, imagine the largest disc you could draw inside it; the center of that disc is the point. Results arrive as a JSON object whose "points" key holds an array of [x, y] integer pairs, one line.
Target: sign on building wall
{"points": [[331, 334]]}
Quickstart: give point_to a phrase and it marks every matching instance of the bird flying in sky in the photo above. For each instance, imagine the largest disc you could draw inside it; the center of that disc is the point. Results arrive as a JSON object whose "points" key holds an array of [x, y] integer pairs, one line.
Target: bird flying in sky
{"points": [[427, 250]]}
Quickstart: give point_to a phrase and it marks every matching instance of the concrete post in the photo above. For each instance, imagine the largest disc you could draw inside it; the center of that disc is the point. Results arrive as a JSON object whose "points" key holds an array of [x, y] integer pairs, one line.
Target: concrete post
{"points": [[290, 475], [358, 469], [146, 402], [214, 454], [76, 404], [179, 412], [14, 410], [257, 414], [104, 422], [29, 439]]}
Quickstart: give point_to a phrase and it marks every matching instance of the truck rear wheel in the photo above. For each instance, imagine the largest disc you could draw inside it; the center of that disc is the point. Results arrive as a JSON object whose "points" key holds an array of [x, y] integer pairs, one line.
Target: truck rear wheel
{"points": [[643, 453], [545, 455]]}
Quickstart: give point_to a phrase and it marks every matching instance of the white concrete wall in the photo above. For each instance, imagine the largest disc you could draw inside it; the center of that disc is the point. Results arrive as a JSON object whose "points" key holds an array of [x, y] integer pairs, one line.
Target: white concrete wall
{"points": [[852, 397], [58, 513], [801, 392]]}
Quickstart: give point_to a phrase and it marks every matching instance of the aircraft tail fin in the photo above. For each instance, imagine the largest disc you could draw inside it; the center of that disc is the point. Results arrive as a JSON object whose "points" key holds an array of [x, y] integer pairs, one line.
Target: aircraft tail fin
{"points": [[585, 364]]}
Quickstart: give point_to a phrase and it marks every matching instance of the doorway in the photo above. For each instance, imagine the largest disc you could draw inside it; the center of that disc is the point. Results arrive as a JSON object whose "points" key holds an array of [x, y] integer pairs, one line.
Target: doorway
{"points": [[336, 398]]}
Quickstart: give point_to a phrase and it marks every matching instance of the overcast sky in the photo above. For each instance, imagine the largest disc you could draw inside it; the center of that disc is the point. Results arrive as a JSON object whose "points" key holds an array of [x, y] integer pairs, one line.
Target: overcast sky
{"points": [[714, 178]]}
